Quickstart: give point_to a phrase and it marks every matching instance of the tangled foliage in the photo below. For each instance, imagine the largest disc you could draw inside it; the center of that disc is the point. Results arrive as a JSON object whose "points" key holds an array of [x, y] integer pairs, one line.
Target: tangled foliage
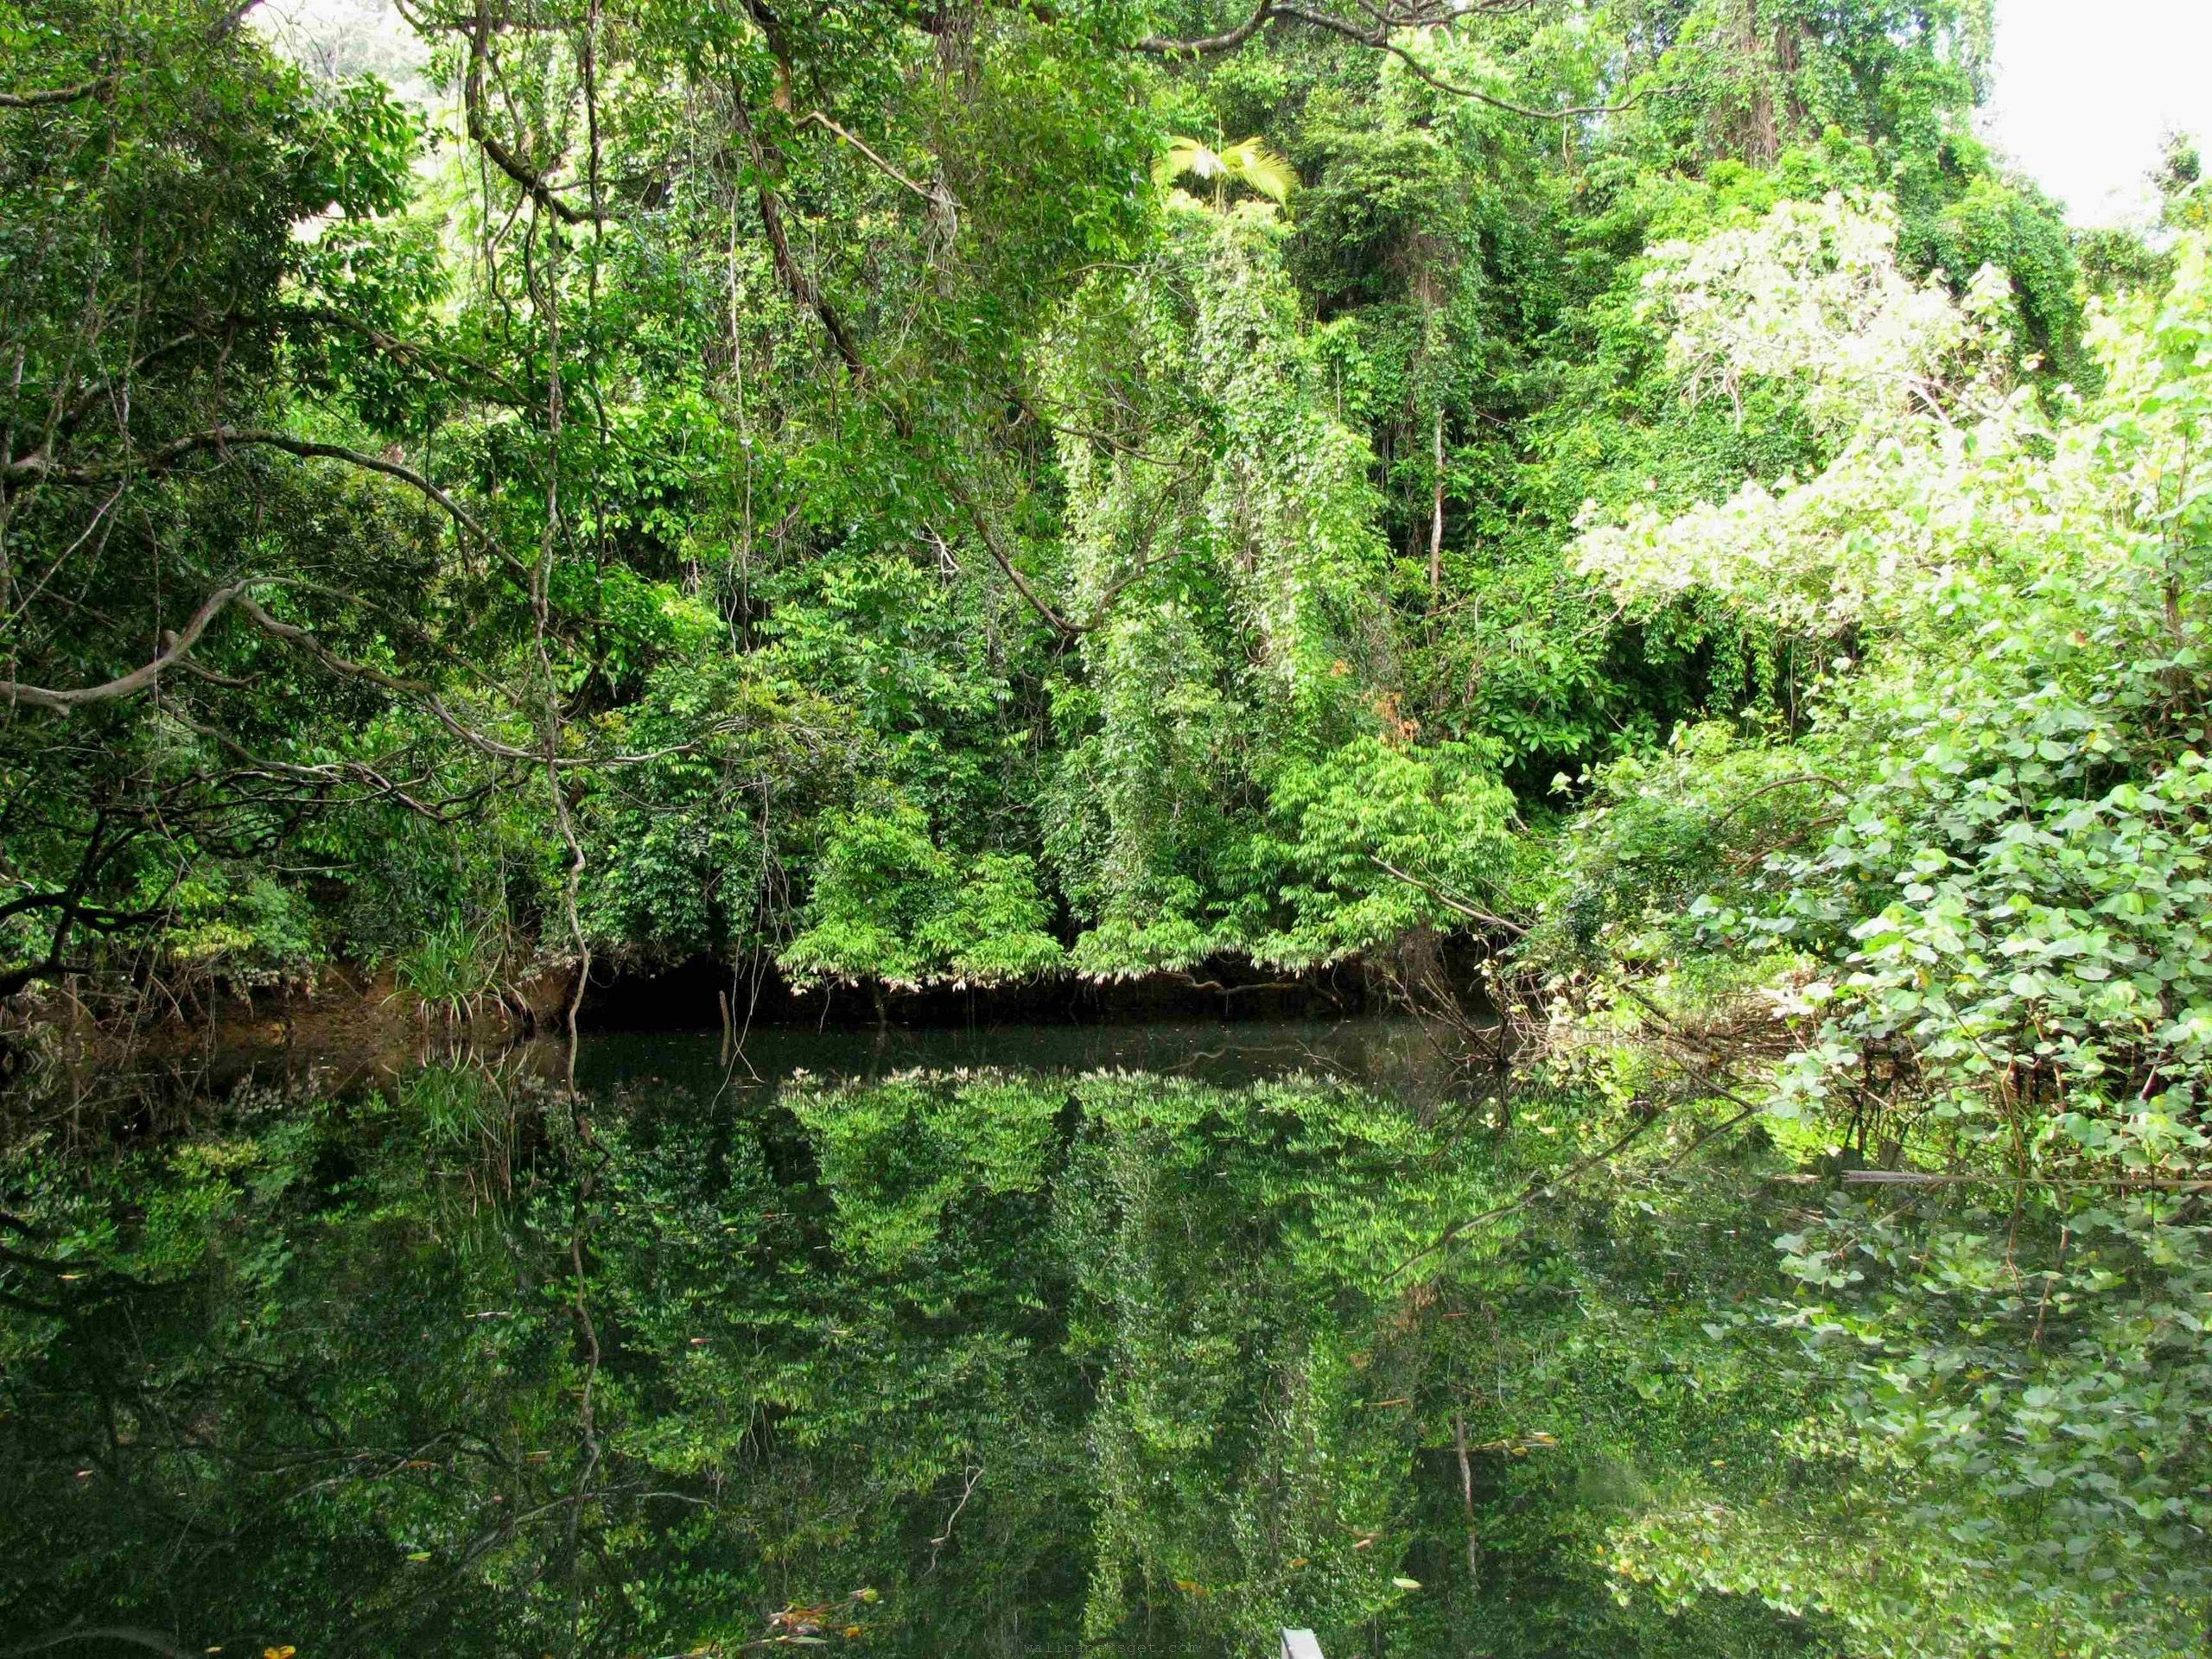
{"points": [[1976, 891]]}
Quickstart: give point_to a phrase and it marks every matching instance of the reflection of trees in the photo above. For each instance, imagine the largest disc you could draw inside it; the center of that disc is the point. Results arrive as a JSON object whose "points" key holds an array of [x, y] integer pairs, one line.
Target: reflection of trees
{"points": [[1233, 1249], [926, 1339], [866, 1369], [2017, 1461], [996, 1363], [331, 1389], [325, 1393]]}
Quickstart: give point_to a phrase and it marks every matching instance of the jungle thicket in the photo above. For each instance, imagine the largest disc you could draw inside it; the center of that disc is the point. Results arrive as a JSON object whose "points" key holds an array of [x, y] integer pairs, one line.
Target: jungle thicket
{"points": [[942, 495], [905, 494]]}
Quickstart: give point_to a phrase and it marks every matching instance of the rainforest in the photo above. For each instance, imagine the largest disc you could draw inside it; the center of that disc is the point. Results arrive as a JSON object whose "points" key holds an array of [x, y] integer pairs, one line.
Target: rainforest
{"points": [[1064, 826]]}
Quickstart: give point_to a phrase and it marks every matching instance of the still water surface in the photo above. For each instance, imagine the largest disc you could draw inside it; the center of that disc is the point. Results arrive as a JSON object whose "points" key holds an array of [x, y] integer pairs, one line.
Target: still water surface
{"points": [[1034, 1341]]}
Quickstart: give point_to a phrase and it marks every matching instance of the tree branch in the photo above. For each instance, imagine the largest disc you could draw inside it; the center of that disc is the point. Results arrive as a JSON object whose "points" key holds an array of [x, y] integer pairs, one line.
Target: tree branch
{"points": [[39, 465], [415, 691], [1379, 39], [803, 288], [53, 95], [14, 691], [472, 102], [968, 505], [882, 166], [1822, 778], [1376, 38], [328, 772], [227, 437], [1209, 45], [427, 356], [1456, 906]]}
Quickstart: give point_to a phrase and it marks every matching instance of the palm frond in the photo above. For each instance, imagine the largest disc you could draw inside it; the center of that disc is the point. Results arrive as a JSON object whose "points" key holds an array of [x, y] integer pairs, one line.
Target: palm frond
{"points": [[1249, 163], [1253, 164], [1189, 155]]}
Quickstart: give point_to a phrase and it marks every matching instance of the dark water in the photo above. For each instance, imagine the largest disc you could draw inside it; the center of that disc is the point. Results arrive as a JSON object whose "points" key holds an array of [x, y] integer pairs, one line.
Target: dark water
{"points": [[1050, 1341]]}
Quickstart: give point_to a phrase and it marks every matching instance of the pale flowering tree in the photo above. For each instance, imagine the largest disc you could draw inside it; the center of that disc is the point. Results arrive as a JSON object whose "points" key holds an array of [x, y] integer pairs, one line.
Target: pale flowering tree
{"points": [[1905, 381], [1812, 293]]}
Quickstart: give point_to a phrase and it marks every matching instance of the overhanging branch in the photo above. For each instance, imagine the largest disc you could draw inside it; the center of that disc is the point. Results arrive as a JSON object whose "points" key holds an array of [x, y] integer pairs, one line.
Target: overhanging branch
{"points": [[1456, 906], [1036, 602], [39, 466], [1385, 21], [238, 594], [862, 145], [39, 697], [472, 102], [47, 97]]}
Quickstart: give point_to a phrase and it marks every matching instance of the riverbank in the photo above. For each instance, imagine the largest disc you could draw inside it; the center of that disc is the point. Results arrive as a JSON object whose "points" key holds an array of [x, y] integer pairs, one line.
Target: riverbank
{"points": [[343, 1014]]}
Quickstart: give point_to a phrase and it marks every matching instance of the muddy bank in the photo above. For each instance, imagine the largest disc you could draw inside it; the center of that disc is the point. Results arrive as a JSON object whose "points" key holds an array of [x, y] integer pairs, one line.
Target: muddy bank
{"points": [[359, 1016], [355, 1017]]}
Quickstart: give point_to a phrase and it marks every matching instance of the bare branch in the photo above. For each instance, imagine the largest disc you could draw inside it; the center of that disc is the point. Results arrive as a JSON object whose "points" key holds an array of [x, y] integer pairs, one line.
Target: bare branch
{"points": [[224, 437], [428, 698], [796, 282], [411, 350], [1820, 778], [342, 772], [882, 166], [306, 640], [38, 465], [13, 692], [1209, 45], [803, 288], [472, 102], [1457, 906], [238, 595], [1377, 38], [960, 492]]}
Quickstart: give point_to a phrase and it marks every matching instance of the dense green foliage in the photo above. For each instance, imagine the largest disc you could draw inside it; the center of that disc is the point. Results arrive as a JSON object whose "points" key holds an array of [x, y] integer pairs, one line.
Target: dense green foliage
{"points": [[965, 495], [874, 494]]}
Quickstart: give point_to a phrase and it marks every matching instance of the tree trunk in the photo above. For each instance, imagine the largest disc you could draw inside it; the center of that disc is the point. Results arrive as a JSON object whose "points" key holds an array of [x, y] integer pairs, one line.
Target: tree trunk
{"points": [[1762, 137], [1436, 521]]}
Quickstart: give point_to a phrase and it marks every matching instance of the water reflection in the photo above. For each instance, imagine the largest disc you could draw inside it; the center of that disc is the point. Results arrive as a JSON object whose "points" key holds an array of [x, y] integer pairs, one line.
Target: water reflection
{"points": [[1048, 1342]]}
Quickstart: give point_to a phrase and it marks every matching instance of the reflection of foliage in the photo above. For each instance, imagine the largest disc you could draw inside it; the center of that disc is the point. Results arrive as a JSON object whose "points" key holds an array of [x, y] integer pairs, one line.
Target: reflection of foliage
{"points": [[1235, 1251], [2041, 1367], [974, 1361]]}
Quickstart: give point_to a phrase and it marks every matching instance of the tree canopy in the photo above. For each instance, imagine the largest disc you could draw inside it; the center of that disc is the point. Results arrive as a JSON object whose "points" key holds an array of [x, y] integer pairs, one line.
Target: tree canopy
{"points": [[912, 497]]}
